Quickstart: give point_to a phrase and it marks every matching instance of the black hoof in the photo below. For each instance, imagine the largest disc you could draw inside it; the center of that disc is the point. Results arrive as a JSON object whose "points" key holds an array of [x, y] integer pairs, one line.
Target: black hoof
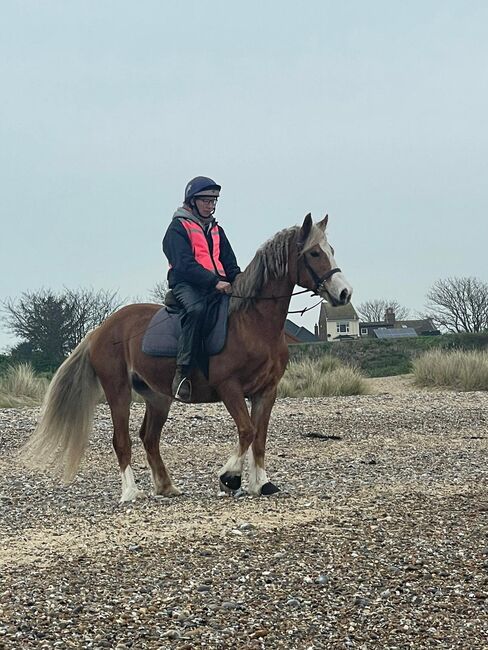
{"points": [[269, 488], [230, 482]]}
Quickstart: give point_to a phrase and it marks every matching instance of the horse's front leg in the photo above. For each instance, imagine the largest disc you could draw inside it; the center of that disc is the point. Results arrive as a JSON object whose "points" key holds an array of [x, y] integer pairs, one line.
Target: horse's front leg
{"points": [[233, 398], [260, 414]]}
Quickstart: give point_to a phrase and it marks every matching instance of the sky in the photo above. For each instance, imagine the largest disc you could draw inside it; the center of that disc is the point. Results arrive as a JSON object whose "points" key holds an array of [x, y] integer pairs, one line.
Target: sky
{"points": [[374, 112]]}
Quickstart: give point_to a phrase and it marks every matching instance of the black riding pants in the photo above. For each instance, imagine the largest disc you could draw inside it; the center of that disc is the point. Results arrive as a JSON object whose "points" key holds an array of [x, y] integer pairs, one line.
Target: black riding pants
{"points": [[193, 302]]}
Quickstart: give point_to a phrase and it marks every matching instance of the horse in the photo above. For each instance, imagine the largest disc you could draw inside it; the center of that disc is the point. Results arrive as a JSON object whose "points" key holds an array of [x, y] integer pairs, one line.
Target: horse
{"points": [[249, 366]]}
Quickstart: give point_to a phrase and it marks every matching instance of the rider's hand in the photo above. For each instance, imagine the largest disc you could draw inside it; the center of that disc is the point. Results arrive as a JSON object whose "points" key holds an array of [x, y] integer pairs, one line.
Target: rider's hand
{"points": [[224, 287]]}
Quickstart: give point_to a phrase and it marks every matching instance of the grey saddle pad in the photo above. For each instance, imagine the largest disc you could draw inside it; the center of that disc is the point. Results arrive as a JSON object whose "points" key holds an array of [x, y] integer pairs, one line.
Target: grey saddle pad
{"points": [[161, 336]]}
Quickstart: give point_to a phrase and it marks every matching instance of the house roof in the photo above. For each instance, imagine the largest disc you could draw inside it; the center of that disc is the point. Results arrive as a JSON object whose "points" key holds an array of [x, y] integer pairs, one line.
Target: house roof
{"points": [[372, 324], [301, 333], [421, 325], [342, 312], [394, 332]]}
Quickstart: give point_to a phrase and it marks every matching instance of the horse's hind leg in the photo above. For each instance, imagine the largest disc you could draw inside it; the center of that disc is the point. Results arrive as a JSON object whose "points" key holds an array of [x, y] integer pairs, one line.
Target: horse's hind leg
{"points": [[150, 433], [119, 399]]}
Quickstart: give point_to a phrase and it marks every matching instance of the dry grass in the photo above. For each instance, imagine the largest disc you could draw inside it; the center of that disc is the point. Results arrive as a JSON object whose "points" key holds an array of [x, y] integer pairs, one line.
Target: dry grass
{"points": [[459, 370], [322, 377], [20, 387]]}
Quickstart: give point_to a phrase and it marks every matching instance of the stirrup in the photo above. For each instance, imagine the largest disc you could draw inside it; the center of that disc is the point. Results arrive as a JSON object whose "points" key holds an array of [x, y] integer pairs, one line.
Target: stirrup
{"points": [[180, 391]]}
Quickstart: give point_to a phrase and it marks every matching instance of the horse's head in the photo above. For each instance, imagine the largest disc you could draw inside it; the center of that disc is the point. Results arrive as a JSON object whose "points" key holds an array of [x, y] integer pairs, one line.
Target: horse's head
{"points": [[316, 267]]}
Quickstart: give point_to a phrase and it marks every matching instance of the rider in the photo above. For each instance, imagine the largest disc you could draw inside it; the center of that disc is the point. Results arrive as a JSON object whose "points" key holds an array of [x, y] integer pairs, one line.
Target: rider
{"points": [[201, 261]]}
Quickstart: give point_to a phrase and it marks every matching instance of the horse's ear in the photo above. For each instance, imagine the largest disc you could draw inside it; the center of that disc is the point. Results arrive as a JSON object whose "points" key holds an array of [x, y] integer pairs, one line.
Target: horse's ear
{"points": [[305, 229], [323, 224]]}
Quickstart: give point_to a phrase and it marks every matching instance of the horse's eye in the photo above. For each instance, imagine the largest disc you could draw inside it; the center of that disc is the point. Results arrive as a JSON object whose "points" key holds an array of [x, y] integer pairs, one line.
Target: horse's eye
{"points": [[314, 254]]}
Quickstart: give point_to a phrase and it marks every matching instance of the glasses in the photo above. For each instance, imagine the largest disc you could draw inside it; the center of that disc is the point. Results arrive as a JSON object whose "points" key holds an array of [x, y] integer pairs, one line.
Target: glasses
{"points": [[206, 201]]}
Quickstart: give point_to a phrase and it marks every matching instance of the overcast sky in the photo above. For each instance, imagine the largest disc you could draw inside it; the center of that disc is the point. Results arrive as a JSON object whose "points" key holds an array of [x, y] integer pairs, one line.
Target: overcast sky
{"points": [[375, 112]]}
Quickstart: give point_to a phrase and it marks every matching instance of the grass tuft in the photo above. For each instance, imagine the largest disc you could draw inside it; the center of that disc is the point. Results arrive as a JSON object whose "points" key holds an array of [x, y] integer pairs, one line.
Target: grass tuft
{"points": [[325, 376], [322, 377], [19, 387], [460, 370]]}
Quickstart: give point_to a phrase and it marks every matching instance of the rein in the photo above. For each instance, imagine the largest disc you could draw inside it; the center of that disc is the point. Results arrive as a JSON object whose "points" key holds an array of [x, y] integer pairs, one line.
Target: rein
{"points": [[302, 311], [296, 293], [318, 280]]}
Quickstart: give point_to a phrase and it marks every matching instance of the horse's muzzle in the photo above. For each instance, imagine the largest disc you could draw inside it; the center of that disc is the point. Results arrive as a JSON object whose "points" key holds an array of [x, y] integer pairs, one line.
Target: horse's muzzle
{"points": [[343, 299]]}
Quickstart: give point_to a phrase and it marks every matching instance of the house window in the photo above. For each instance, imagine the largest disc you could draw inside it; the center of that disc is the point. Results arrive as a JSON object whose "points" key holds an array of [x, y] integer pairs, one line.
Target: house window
{"points": [[364, 330], [342, 328]]}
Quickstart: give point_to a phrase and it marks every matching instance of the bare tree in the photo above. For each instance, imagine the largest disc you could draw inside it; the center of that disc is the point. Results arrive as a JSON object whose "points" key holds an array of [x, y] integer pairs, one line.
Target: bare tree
{"points": [[54, 323], [459, 304], [373, 311], [158, 292]]}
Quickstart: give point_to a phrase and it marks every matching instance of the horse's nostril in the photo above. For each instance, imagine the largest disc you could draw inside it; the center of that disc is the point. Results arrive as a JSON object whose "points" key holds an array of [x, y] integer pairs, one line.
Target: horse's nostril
{"points": [[345, 296]]}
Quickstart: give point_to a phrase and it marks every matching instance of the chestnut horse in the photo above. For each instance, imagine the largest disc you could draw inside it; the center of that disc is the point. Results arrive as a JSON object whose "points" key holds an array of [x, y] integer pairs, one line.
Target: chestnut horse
{"points": [[250, 365]]}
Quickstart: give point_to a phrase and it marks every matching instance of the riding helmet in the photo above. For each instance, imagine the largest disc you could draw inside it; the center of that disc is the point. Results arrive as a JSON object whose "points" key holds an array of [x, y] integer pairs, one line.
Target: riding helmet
{"points": [[201, 185]]}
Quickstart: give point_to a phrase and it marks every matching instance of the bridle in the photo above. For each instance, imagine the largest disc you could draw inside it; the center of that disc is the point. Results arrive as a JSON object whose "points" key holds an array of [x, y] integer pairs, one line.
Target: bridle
{"points": [[319, 280]]}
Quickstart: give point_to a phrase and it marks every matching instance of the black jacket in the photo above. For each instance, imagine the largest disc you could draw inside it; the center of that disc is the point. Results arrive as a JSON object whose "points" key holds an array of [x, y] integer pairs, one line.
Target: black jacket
{"points": [[184, 267]]}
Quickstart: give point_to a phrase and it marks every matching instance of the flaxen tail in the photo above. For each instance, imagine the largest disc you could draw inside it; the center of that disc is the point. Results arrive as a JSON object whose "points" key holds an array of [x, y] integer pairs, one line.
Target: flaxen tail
{"points": [[62, 433]]}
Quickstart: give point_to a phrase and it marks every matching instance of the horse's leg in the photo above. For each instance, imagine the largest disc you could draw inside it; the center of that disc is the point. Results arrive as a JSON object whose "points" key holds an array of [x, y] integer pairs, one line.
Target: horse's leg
{"points": [[260, 414], [150, 433], [119, 399], [233, 398]]}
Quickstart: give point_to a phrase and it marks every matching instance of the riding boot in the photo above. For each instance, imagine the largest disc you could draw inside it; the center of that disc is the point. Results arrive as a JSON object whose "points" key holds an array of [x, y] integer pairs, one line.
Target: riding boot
{"points": [[181, 386]]}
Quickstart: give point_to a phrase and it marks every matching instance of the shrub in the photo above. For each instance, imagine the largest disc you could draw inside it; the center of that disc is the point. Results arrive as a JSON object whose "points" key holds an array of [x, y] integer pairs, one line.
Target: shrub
{"points": [[381, 358], [458, 369], [321, 377], [19, 386]]}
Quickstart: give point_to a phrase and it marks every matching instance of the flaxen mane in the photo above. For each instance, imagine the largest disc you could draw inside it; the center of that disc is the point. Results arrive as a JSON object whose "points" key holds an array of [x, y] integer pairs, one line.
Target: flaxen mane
{"points": [[270, 261]]}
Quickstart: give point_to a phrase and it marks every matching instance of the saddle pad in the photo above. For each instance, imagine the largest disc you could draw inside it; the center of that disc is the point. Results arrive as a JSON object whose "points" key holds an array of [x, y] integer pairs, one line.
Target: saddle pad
{"points": [[161, 336]]}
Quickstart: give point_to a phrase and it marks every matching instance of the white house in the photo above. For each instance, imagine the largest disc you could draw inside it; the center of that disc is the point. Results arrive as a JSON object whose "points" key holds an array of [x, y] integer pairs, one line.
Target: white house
{"points": [[337, 323]]}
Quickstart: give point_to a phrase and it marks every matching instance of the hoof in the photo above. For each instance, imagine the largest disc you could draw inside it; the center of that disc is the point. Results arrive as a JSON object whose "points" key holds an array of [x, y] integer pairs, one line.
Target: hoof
{"points": [[269, 488], [172, 491], [131, 495], [230, 483]]}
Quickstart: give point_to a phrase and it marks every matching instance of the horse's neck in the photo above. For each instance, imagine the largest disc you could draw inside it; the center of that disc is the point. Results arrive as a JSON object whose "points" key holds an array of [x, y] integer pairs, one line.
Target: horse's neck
{"points": [[273, 303]]}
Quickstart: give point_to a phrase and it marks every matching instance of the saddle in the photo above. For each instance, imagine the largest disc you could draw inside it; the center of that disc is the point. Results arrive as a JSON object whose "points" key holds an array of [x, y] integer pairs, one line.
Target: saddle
{"points": [[161, 336]]}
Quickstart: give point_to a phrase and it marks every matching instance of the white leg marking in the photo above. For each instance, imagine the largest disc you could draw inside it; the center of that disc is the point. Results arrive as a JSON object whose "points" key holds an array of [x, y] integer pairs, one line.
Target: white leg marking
{"points": [[257, 475], [172, 491], [130, 491], [234, 465]]}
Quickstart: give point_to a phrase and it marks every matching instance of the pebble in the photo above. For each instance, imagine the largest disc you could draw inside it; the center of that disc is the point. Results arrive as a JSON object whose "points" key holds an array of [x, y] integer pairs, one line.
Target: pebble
{"points": [[354, 557], [293, 602]]}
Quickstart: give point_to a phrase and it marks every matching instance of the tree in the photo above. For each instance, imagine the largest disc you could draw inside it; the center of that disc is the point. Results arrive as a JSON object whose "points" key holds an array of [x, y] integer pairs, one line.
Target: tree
{"points": [[50, 325], [158, 292], [459, 304], [373, 311]]}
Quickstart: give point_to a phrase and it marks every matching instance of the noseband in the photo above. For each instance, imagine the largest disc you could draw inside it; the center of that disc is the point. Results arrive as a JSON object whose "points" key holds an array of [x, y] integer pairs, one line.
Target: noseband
{"points": [[319, 280]]}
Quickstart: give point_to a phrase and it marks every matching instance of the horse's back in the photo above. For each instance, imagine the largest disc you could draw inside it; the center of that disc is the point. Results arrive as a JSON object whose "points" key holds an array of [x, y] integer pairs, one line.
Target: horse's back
{"points": [[122, 330]]}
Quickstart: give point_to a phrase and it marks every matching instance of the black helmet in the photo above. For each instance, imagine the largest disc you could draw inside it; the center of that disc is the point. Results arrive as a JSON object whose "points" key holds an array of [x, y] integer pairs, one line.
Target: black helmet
{"points": [[201, 185]]}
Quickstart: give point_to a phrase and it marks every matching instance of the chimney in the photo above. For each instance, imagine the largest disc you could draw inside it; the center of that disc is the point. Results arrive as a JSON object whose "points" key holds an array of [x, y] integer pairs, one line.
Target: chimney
{"points": [[390, 316]]}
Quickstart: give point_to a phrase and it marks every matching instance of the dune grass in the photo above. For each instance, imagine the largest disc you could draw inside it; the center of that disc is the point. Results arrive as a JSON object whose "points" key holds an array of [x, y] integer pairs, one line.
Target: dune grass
{"points": [[326, 376], [20, 386], [459, 369], [322, 377]]}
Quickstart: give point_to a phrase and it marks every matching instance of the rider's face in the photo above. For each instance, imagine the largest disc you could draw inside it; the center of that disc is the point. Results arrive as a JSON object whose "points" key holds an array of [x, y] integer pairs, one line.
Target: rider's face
{"points": [[206, 206]]}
